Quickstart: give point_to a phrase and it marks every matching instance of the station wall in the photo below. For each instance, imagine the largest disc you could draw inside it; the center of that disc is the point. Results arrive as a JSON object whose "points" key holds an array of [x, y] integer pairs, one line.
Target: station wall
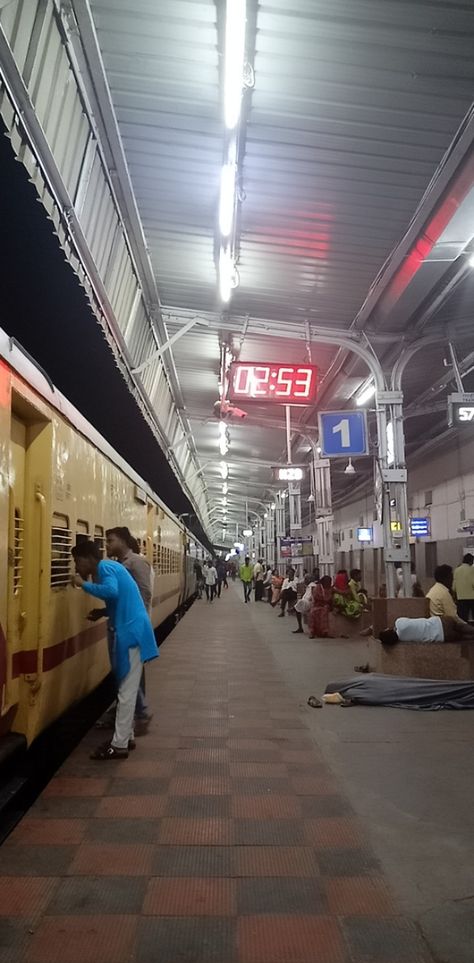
{"points": [[441, 489]]}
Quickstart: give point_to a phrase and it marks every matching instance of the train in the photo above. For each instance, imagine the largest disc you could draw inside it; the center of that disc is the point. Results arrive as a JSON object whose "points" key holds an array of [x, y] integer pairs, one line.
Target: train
{"points": [[60, 483]]}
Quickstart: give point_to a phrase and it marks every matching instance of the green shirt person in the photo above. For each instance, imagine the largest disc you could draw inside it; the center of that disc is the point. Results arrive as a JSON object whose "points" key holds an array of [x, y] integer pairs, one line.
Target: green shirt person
{"points": [[246, 576]]}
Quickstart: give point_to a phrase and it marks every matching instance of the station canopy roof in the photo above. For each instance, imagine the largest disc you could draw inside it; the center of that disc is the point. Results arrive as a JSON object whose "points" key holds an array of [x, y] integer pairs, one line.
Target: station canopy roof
{"points": [[355, 197]]}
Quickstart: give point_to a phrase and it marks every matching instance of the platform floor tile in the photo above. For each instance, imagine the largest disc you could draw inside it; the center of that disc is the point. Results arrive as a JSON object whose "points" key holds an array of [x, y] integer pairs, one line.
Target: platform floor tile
{"points": [[224, 838]]}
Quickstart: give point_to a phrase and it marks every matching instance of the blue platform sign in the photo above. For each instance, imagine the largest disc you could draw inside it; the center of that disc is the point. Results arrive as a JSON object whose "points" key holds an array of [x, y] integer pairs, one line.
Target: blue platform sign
{"points": [[420, 527], [343, 433]]}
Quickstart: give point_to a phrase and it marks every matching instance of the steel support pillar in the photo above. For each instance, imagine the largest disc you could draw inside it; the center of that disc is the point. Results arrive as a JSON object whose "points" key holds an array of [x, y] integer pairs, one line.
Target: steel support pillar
{"points": [[394, 501], [323, 514]]}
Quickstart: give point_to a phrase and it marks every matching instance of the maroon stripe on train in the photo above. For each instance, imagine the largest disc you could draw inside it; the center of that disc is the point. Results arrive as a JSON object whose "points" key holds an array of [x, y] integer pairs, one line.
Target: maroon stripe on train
{"points": [[55, 654], [26, 662]]}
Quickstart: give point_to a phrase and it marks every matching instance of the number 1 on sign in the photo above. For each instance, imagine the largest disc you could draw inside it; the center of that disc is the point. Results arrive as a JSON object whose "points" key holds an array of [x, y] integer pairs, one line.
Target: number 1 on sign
{"points": [[343, 429]]}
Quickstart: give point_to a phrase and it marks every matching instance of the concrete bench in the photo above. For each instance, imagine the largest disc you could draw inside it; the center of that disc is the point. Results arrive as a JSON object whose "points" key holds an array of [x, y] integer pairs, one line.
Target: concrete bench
{"points": [[431, 660], [340, 627]]}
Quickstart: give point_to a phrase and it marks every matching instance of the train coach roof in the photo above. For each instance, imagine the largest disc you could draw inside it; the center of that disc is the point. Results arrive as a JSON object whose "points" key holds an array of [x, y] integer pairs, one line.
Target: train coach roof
{"points": [[23, 365]]}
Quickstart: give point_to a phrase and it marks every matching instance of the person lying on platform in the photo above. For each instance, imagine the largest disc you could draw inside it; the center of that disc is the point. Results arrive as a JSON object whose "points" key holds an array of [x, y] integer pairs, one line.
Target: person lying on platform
{"points": [[134, 638], [438, 628]]}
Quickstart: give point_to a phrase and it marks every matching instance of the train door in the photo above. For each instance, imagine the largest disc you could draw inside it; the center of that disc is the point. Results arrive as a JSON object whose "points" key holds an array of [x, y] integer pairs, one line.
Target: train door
{"points": [[16, 617], [28, 548]]}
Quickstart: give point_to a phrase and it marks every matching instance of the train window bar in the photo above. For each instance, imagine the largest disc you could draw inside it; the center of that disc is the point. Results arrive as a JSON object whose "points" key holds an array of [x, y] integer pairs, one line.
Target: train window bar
{"points": [[61, 544]]}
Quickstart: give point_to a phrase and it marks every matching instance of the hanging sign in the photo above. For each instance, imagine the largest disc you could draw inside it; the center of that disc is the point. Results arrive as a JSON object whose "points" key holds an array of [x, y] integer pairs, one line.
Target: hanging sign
{"points": [[461, 409], [296, 549], [343, 433]]}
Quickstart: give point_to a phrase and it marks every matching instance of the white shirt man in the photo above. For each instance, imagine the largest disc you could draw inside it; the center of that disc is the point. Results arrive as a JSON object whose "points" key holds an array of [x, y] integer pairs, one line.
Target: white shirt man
{"points": [[210, 579], [210, 574]]}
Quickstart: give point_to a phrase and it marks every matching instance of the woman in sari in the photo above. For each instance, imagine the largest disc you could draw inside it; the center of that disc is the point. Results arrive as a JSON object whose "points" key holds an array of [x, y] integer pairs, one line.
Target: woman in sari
{"points": [[344, 600], [277, 582], [319, 613]]}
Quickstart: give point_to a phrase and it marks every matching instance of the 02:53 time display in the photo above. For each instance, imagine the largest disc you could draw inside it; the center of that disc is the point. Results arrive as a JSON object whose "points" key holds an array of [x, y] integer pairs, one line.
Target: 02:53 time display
{"points": [[283, 384]]}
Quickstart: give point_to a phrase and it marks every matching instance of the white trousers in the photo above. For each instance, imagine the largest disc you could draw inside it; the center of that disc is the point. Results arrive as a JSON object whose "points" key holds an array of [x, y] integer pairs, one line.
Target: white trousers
{"points": [[126, 701]]}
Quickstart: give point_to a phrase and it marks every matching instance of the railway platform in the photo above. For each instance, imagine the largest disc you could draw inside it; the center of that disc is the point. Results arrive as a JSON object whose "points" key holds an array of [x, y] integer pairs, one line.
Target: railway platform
{"points": [[226, 837]]}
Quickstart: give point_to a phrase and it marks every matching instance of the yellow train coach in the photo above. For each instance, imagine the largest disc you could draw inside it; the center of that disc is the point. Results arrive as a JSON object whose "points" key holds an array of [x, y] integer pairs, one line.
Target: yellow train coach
{"points": [[61, 482]]}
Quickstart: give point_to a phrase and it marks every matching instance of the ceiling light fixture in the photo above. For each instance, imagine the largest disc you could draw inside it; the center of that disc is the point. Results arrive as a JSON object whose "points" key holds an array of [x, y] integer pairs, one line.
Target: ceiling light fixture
{"points": [[366, 394], [225, 488], [247, 532], [226, 270], [234, 61], [471, 261], [349, 469], [227, 195], [224, 470]]}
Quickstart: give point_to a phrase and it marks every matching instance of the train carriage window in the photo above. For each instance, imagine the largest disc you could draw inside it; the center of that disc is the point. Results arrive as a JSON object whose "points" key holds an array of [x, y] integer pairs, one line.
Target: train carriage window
{"points": [[61, 544], [99, 538], [156, 556], [18, 549], [82, 531]]}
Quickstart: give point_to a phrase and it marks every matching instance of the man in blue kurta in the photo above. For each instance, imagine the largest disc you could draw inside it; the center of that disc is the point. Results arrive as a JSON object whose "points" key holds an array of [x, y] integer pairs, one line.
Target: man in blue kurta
{"points": [[134, 638]]}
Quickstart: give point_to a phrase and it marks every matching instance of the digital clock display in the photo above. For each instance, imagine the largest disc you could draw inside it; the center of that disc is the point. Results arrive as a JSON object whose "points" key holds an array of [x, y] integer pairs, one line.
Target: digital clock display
{"points": [[289, 384]]}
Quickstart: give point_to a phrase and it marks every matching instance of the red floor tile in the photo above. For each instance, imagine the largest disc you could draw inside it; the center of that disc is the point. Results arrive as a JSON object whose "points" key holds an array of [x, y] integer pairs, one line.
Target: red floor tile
{"points": [[203, 785], [267, 770], [191, 897], [294, 861], [333, 832], [83, 939], [196, 832], [112, 859], [314, 785], [149, 807], [49, 832], [290, 939], [265, 807], [26, 895], [358, 896], [79, 785]]}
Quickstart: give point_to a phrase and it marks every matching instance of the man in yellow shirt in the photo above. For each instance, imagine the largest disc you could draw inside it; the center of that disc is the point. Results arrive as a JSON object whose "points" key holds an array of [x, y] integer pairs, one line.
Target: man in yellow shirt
{"points": [[463, 584], [441, 600]]}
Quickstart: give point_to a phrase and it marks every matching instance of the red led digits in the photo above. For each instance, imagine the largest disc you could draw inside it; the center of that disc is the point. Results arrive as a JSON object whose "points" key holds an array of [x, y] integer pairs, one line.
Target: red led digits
{"points": [[283, 384]]}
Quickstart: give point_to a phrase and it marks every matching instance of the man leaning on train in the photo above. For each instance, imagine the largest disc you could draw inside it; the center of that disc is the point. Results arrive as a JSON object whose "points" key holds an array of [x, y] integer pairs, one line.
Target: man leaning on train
{"points": [[134, 638]]}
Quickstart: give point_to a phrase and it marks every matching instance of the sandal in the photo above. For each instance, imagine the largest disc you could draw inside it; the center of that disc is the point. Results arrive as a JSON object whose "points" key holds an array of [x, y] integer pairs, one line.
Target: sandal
{"points": [[108, 751]]}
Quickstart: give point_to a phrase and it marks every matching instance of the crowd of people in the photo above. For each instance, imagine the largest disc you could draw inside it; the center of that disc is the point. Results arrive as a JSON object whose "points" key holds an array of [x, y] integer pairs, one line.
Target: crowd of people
{"points": [[311, 598]]}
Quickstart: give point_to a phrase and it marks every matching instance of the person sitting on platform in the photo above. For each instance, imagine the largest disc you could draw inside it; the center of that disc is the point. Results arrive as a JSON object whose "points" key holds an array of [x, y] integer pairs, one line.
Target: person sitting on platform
{"points": [[134, 638], [344, 600], [322, 603], [438, 628], [289, 592], [441, 600]]}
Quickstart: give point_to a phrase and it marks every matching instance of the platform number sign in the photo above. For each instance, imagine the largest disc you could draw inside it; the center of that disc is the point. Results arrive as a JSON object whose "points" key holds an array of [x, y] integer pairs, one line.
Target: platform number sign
{"points": [[343, 433], [461, 409]]}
